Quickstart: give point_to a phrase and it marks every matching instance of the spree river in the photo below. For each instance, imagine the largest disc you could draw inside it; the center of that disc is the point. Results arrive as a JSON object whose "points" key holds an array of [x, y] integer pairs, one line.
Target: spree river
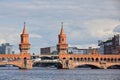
{"points": [[59, 74]]}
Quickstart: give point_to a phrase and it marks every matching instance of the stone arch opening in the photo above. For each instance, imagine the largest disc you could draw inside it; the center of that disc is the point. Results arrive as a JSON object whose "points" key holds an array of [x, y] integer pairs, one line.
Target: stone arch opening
{"points": [[101, 59], [92, 59], [119, 59], [104, 59], [89, 60], [70, 58], [77, 59], [85, 59], [3, 59], [25, 61], [64, 58], [81, 59], [96, 59], [112, 59], [108, 59]]}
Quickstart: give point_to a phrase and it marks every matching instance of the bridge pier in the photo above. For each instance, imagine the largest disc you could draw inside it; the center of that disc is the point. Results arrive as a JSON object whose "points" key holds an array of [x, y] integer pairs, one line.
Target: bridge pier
{"points": [[66, 64], [103, 65], [26, 64]]}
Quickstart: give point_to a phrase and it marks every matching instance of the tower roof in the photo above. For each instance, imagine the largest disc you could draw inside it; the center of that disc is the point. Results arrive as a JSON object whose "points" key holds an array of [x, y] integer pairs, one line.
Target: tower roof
{"points": [[24, 30], [62, 29]]}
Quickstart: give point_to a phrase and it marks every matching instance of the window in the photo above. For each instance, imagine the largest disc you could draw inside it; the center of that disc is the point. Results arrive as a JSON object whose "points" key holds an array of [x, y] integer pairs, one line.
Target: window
{"points": [[62, 39]]}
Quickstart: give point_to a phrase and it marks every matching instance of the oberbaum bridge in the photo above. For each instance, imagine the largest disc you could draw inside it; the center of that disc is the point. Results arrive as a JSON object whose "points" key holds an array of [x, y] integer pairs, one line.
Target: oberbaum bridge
{"points": [[65, 60]]}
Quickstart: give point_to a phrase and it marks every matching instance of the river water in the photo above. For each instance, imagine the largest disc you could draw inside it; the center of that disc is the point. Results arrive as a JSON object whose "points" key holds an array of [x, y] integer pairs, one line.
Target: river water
{"points": [[61, 74]]}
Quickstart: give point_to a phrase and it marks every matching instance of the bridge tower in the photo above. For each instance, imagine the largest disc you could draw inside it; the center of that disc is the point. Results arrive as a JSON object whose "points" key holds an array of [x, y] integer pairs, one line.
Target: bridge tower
{"points": [[24, 46], [62, 46]]}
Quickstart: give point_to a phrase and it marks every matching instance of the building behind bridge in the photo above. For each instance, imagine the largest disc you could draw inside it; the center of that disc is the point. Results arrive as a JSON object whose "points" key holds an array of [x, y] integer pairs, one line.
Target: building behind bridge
{"points": [[71, 50], [110, 46], [6, 48], [48, 50]]}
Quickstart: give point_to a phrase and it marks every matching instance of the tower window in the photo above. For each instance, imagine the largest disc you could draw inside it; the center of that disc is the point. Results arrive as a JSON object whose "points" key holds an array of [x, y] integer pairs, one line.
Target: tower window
{"points": [[62, 39]]}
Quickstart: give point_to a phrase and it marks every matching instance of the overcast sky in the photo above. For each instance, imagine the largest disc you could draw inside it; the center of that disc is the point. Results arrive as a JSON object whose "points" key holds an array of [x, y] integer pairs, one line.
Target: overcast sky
{"points": [[85, 21]]}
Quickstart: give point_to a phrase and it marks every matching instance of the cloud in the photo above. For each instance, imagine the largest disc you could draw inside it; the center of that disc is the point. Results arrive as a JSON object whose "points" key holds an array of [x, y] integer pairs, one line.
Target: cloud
{"points": [[117, 29], [2, 41], [85, 21], [35, 36], [102, 27], [85, 46], [91, 31]]}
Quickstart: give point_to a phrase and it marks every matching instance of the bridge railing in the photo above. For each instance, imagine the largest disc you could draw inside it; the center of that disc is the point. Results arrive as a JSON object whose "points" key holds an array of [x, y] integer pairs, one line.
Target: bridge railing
{"points": [[46, 60]]}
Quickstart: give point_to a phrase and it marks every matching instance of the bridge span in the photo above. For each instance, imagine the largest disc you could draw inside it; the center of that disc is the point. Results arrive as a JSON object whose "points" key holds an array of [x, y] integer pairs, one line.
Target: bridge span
{"points": [[71, 61], [20, 60]]}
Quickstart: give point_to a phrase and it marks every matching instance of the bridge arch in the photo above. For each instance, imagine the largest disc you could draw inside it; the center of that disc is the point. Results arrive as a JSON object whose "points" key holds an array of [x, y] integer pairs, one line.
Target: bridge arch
{"points": [[114, 66], [93, 66], [19, 66]]}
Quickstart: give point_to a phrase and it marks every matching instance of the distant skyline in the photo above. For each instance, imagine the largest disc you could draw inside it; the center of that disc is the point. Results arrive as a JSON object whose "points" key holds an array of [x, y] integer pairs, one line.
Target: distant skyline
{"points": [[85, 21]]}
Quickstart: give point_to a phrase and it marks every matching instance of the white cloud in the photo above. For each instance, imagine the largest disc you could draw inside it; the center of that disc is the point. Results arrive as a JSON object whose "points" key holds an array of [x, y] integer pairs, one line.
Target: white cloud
{"points": [[2, 41], [117, 29], [35, 36], [102, 27], [90, 31], [86, 21]]}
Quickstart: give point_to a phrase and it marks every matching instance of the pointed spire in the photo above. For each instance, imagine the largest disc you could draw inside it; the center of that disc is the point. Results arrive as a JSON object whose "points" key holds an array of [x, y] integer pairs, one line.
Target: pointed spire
{"points": [[62, 30], [24, 30]]}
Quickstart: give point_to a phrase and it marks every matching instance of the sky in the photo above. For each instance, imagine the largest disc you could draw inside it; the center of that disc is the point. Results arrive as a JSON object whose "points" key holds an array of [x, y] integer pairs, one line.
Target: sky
{"points": [[85, 22]]}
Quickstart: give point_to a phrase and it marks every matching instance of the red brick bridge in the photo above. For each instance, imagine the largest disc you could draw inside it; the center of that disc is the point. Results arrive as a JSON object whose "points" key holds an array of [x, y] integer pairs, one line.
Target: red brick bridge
{"points": [[92, 60]]}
